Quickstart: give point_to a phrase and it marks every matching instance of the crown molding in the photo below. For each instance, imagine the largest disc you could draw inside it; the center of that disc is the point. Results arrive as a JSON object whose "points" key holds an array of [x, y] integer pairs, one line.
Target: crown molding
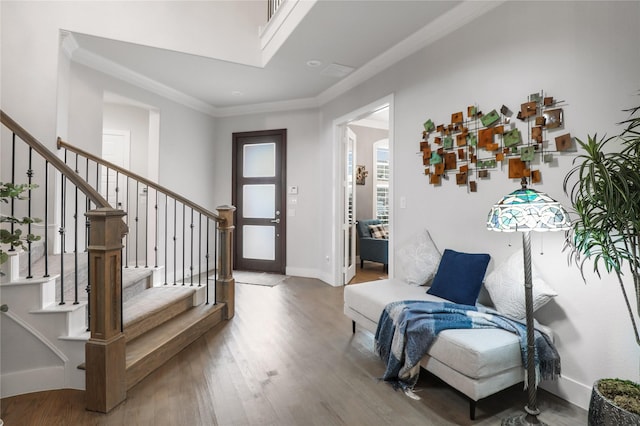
{"points": [[452, 20], [445, 24], [68, 43], [99, 63], [279, 106]]}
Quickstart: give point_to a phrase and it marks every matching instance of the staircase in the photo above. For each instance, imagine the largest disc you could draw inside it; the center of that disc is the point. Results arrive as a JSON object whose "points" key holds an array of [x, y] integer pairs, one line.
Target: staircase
{"points": [[159, 321], [79, 319]]}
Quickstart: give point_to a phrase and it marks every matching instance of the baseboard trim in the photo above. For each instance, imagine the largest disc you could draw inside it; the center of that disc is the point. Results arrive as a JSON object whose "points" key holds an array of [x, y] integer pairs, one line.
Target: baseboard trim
{"points": [[34, 380], [570, 390]]}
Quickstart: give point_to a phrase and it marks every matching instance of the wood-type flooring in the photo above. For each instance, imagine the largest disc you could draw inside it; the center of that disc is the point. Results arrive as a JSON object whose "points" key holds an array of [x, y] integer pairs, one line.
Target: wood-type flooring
{"points": [[288, 357]]}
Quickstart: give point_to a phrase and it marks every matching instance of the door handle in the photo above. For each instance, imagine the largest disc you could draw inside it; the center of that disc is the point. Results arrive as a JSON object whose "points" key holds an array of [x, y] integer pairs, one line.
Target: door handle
{"points": [[276, 220]]}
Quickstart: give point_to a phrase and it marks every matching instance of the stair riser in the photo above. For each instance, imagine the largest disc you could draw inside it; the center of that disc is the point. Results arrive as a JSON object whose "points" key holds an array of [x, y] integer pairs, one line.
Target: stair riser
{"points": [[132, 331], [62, 322], [136, 288], [29, 295], [145, 366]]}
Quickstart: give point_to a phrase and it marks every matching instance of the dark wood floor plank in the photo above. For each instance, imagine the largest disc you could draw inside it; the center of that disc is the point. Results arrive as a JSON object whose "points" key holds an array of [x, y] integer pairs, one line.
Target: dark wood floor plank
{"points": [[288, 357]]}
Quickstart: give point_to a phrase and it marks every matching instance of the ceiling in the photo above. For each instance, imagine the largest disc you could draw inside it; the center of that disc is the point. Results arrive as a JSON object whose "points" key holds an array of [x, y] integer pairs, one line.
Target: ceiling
{"points": [[361, 35]]}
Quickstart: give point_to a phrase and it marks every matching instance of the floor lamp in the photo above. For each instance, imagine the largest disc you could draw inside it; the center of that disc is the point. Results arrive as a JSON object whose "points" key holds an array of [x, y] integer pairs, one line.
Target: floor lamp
{"points": [[526, 210]]}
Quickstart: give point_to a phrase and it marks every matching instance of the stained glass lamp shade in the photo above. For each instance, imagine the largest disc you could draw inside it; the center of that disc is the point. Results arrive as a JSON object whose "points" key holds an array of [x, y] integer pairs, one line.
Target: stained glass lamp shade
{"points": [[527, 210]]}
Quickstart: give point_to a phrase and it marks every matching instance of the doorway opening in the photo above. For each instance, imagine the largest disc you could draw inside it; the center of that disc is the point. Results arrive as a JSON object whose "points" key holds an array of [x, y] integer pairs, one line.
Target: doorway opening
{"points": [[131, 140], [365, 192]]}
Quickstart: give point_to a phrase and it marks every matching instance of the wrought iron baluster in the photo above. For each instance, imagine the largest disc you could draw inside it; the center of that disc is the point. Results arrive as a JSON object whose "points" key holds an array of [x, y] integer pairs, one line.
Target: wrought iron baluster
{"points": [[175, 225], [146, 227], [63, 212], [207, 262], [200, 250], [184, 210], [75, 241], [87, 208], [125, 260], [137, 219], [191, 262], [117, 189], [216, 236], [46, 219], [106, 195], [29, 182], [13, 182], [155, 244], [166, 238]]}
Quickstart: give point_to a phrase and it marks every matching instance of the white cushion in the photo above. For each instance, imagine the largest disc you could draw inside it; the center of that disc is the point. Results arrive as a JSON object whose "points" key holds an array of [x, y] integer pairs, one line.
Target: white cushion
{"points": [[472, 352], [369, 299], [505, 285], [417, 261]]}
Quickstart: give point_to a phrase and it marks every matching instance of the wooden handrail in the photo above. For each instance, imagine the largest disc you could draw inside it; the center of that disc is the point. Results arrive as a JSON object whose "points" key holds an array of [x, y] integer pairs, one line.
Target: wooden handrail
{"points": [[145, 181], [83, 185]]}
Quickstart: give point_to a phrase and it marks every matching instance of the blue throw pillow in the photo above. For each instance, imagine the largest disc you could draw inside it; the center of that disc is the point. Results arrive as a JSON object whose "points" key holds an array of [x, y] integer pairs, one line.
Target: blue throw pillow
{"points": [[459, 276]]}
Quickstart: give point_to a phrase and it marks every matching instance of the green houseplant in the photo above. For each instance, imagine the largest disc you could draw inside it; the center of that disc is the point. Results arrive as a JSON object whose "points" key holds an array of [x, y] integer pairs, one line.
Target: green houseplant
{"points": [[14, 238], [604, 188]]}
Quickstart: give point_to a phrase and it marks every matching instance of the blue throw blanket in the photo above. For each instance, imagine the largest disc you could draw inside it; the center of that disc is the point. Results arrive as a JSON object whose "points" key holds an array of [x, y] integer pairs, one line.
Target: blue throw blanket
{"points": [[407, 329]]}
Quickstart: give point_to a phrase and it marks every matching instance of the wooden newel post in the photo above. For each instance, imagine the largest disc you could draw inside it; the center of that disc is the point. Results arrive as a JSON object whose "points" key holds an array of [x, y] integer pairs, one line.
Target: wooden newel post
{"points": [[225, 286], [105, 358]]}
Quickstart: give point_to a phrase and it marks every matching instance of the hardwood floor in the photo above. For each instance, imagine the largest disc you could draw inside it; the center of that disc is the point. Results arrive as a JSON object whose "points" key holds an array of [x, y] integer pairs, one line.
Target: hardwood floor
{"points": [[288, 357], [372, 271]]}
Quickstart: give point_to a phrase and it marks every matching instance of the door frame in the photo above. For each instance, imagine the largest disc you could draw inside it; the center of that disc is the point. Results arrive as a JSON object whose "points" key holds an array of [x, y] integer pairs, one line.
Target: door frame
{"points": [[349, 229], [281, 239], [338, 194]]}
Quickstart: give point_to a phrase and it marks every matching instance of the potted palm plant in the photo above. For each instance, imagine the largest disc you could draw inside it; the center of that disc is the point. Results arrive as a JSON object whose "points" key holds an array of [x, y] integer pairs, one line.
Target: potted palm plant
{"points": [[604, 188]]}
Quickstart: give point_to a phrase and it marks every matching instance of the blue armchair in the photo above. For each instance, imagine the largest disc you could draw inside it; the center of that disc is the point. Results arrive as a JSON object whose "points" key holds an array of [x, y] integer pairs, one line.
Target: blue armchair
{"points": [[372, 249]]}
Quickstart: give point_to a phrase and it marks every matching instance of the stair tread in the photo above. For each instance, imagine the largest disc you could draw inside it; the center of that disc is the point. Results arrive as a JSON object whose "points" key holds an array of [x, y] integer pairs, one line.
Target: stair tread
{"points": [[153, 300], [149, 342]]}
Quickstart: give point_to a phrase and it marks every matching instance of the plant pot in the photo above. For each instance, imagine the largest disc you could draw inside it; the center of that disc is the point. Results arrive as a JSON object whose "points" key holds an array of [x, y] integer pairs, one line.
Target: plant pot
{"points": [[602, 412]]}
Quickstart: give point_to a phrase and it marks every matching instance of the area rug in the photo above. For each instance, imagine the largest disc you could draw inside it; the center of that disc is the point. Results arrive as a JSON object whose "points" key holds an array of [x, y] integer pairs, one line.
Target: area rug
{"points": [[258, 278]]}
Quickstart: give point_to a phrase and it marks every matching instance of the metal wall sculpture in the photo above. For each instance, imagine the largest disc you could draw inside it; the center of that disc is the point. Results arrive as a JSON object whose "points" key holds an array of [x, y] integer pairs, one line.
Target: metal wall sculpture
{"points": [[472, 148]]}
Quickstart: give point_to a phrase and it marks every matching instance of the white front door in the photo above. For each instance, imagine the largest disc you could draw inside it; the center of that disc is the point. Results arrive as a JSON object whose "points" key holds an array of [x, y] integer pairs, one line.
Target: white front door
{"points": [[349, 222]]}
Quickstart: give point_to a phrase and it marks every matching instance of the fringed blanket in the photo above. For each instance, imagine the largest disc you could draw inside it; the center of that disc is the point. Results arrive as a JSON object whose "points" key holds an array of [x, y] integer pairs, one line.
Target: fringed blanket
{"points": [[407, 329]]}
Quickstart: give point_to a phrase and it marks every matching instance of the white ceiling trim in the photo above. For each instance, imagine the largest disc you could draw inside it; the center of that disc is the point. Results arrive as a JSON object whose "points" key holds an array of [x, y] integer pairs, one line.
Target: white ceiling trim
{"points": [[293, 104], [99, 63], [438, 28]]}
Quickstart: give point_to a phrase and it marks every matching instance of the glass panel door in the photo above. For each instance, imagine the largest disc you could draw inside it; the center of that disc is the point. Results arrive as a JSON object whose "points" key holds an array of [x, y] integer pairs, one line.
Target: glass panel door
{"points": [[258, 195]]}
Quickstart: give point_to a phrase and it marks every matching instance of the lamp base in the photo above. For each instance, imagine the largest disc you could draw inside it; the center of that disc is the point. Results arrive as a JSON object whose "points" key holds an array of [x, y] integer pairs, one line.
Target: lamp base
{"points": [[522, 420]]}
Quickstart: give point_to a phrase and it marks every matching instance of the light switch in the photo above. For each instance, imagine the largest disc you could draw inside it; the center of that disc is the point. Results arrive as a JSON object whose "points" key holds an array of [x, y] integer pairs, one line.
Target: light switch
{"points": [[403, 202], [293, 190]]}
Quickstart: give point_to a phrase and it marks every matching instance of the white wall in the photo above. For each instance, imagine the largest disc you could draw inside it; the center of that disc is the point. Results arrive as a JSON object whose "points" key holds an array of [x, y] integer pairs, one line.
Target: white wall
{"points": [[366, 137], [29, 42], [590, 60], [187, 149]]}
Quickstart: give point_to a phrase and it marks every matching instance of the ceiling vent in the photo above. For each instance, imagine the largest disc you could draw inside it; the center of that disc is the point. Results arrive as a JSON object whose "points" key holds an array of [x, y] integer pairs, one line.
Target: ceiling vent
{"points": [[337, 70]]}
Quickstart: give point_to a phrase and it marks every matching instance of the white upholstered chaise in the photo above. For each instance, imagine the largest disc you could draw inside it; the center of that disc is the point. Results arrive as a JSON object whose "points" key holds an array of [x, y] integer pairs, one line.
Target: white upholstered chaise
{"points": [[476, 362]]}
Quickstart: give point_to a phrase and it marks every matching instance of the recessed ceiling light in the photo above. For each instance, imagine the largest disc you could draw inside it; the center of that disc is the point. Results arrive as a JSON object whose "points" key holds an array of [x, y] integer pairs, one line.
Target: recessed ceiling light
{"points": [[313, 63], [236, 93]]}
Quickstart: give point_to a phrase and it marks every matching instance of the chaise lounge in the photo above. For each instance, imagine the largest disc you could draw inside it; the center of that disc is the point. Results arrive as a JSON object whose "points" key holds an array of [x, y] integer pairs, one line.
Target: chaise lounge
{"points": [[476, 362]]}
